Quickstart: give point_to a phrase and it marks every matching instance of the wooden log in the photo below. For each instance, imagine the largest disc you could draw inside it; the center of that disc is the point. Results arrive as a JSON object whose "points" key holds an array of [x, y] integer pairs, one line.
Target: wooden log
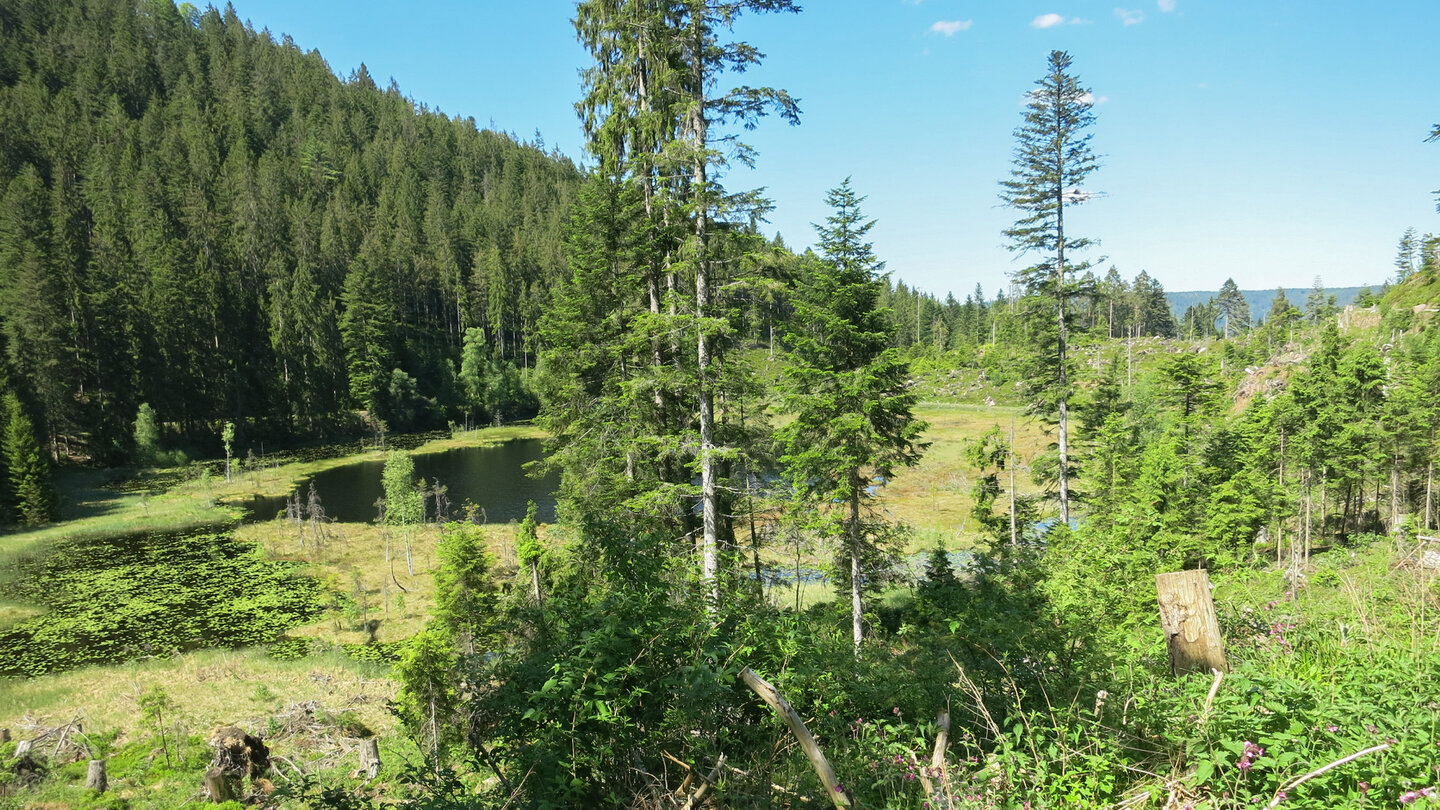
{"points": [[1187, 614], [772, 698], [95, 776], [370, 757], [217, 786], [22, 748]]}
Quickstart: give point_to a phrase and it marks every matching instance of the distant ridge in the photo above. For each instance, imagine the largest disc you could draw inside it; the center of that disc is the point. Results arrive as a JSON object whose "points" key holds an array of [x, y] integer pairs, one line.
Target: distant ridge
{"points": [[1259, 300]]}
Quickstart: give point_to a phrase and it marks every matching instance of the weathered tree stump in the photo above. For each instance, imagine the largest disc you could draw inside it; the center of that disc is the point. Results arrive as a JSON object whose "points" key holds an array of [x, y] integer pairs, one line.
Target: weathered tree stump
{"points": [[370, 757], [237, 755], [27, 768], [217, 786], [1187, 614], [4, 735], [95, 776]]}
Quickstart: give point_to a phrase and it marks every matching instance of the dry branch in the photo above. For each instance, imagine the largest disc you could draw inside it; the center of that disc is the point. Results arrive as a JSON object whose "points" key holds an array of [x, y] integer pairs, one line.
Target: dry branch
{"points": [[772, 698]]}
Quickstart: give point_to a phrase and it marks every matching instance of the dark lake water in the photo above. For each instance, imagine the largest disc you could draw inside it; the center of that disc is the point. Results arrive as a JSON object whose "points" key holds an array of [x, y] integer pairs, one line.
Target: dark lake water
{"points": [[494, 478]]}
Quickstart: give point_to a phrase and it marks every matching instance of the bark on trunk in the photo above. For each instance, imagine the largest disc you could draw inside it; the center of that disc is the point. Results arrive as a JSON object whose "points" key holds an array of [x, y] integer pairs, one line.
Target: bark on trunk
{"points": [[857, 599]]}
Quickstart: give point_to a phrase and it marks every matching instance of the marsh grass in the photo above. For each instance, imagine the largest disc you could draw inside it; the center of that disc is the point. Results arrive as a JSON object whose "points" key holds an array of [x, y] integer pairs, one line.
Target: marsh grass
{"points": [[376, 600], [934, 497]]}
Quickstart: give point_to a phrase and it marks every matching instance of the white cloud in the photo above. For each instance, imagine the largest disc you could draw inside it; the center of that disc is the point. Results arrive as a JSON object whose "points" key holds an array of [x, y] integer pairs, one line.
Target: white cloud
{"points": [[1091, 98], [1130, 16], [951, 27], [1166, 5], [1047, 21]]}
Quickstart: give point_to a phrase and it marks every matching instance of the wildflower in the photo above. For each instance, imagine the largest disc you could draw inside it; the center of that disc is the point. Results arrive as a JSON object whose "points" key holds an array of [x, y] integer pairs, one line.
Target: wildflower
{"points": [[1248, 756], [1364, 788], [1332, 728]]}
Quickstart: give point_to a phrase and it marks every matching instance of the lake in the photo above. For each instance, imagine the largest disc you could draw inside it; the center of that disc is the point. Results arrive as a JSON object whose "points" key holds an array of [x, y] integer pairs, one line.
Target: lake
{"points": [[494, 478]]}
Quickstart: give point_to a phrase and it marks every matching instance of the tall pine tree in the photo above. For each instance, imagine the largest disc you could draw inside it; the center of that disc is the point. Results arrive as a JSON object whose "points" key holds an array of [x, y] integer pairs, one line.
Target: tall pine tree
{"points": [[1052, 160]]}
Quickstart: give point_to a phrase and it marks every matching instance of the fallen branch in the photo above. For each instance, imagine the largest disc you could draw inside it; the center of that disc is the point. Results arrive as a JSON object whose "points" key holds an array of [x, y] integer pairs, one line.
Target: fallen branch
{"points": [[772, 698], [1294, 783], [699, 795], [734, 770], [938, 797]]}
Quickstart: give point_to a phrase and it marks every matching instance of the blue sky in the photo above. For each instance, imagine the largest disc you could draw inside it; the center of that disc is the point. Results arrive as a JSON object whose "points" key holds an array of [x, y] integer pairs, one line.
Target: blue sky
{"points": [[1266, 140]]}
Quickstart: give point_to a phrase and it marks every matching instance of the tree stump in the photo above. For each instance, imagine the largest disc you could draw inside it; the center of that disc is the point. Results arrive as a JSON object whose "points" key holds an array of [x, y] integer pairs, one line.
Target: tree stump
{"points": [[237, 755], [95, 776], [217, 786], [1187, 614], [27, 768], [370, 757]]}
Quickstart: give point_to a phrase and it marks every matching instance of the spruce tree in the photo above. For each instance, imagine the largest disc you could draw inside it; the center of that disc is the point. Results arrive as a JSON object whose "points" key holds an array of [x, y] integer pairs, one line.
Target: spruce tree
{"points": [[847, 389], [1234, 308], [1052, 160], [650, 104], [28, 467]]}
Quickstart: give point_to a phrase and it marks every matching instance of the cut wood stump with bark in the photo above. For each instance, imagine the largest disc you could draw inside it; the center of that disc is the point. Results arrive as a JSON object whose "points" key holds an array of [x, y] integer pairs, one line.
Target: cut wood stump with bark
{"points": [[1187, 614], [95, 778]]}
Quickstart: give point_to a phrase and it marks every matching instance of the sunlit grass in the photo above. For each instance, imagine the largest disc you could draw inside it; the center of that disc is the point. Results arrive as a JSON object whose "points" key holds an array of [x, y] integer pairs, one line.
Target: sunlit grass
{"points": [[209, 687], [352, 561], [934, 497]]}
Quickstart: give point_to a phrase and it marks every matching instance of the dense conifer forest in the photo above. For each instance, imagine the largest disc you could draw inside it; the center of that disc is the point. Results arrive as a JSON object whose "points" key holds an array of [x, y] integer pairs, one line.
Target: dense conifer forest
{"points": [[823, 538], [201, 218]]}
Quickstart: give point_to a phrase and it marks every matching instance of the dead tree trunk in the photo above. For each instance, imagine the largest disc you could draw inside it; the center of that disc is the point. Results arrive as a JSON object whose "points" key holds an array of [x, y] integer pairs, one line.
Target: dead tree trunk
{"points": [[772, 698], [1187, 614], [216, 786]]}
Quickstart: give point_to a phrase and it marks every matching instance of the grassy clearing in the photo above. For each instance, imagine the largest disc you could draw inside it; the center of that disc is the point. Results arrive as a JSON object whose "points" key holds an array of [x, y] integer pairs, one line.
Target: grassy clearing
{"points": [[352, 561], [210, 688], [934, 497]]}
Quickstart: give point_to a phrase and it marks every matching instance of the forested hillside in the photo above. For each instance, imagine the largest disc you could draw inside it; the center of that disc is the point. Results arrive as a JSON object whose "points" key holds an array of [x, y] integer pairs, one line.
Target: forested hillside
{"points": [[201, 218]]}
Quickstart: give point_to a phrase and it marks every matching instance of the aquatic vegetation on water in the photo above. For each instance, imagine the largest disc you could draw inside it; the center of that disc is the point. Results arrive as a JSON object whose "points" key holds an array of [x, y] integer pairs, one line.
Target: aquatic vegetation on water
{"points": [[117, 598]]}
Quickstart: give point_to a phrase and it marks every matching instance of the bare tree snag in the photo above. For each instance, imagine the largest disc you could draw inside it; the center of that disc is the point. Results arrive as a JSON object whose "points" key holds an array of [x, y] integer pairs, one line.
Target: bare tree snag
{"points": [[1187, 615], [772, 698], [95, 776]]}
